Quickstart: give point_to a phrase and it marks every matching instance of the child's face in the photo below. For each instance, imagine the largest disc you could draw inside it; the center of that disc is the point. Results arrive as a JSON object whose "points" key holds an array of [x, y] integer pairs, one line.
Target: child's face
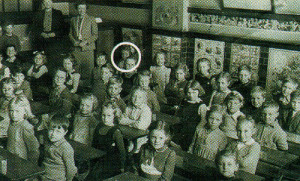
{"points": [[269, 115], [101, 60], [114, 90], [228, 166], [192, 94], [11, 52], [138, 99], [60, 78], [158, 139], [144, 81], [214, 120], [180, 75], [106, 74], [56, 133], [296, 104], [108, 116], [86, 106], [130, 63], [19, 78], [125, 54], [68, 64], [223, 84], [38, 59], [9, 29], [288, 88], [234, 105], [8, 90], [81, 9], [203, 68], [160, 59], [17, 113], [257, 99], [244, 76], [245, 131]]}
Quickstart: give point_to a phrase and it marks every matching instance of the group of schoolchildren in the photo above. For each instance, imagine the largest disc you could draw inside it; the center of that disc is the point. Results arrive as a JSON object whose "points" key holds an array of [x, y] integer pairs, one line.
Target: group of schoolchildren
{"points": [[219, 120]]}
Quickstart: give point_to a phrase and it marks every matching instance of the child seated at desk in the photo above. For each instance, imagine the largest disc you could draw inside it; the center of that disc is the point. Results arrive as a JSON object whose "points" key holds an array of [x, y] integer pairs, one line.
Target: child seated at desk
{"points": [[228, 167], [20, 83], [108, 136], [137, 115], [269, 133], [144, 81], [218, 96], [84, 123], [73, 77], [247, 149], [21, 139], [192, 111], [233, 101], [114, 88], [209, 139], [58, 159], [293, 119], [156, 159]]}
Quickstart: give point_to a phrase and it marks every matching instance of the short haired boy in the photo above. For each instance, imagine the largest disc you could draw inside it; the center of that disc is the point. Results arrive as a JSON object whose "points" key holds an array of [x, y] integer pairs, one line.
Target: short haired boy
{"points": [[21, 140], [293, 119], [58, 161], [114, 89], [269, 133]]}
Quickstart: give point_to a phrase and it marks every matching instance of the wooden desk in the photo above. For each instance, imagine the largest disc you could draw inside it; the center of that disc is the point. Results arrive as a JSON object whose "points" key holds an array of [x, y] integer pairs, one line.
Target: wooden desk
{"points": [[126, 177], [294, 143], [132, 133], [19, 168], [170, 119], [85, 152]]}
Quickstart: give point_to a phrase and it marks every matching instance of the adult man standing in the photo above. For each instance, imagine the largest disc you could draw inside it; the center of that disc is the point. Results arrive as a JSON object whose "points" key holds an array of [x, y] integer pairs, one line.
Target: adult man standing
{"points": [[83, 35]]}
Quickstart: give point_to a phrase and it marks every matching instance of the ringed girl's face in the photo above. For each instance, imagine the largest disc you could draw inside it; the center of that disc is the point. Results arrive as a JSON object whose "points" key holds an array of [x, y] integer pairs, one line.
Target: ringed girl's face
{"points": [[234, 105], [114, 90], [60, 78], [203, 68], [86, 106], [192, 95], [8, 90], [138, 98], [228, 166], [68, 64], [245, 131], [108, 116], [38, 59], [180, 75], [295, 102], [223, 84], [257, 99], [244, 76], [160, 59], [130, 63], [214, 120], [158, 139], [288, 88]]}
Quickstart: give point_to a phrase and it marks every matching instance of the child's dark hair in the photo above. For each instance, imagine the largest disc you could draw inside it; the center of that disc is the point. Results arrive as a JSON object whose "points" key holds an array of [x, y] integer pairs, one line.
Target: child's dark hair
{"points": [[131, 58], [17, 70], [203, 60], [195, 85], [183, 67], [225, 75], [115, 79], [216, 108], [164, 126], [226, 153], [59, 121], [245, 67], [259, 89], [234, 95], [92, 97], [270, 104], [295, 95]]}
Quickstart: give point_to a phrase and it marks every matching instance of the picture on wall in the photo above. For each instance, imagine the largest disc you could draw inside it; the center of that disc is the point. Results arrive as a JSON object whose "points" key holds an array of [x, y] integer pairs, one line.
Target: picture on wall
{"points": [[171, 46], [134, 36], [244, 55], [212, 50], [282, 64], [264, 5]]}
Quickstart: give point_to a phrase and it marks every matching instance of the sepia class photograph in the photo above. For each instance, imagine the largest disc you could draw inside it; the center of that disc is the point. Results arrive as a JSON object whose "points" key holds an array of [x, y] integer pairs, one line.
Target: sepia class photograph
{"points": [[149, 90]]}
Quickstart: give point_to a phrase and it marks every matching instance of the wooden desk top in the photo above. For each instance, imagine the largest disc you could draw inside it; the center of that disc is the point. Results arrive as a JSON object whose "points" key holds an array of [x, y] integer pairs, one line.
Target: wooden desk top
{"points": [[170, 119], [126, 177], [19, 168], [85, 152], [132, 133], [276, 157]]}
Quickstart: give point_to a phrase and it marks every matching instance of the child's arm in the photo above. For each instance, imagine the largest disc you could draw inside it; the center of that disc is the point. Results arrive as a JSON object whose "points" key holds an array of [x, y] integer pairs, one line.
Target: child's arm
{"points": [[169, 167], [41, 72], [76, 78], [32, 144], [69, 162], [30, 71], [251, 159], [124, 119], [281, 141], [144, 120]]}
